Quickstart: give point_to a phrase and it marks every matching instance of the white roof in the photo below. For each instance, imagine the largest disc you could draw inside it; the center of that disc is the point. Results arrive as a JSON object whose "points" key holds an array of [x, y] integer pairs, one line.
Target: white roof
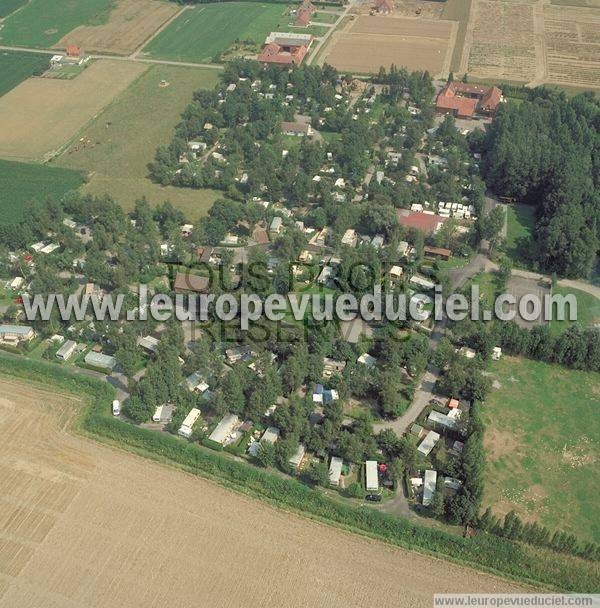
{"points": [[444, 420], [188, 423], [296, 459], [367, 360], [428, 443], [422, 282], [372, 476], [335, 470], [224, 428], [271, 435], [429, 486]]}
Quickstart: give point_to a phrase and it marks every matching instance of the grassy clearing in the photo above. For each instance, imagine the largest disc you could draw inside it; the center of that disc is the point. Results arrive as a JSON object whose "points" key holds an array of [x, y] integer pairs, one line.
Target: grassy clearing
{"points": [[588, 309], [542, 444], [324, 18], [519, 236], [21, 183], [16, 67], [203, 33], [43, 23], [10, 6], [120, 142]]}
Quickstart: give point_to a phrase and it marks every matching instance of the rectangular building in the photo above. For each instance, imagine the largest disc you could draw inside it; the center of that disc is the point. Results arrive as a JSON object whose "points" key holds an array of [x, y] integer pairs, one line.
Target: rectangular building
{"points": [[372, 477], [187, 426], [429, 486]]}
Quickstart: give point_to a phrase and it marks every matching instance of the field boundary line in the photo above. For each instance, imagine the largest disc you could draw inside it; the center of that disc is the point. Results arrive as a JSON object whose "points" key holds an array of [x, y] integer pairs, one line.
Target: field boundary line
{"points": [[163, 26]]}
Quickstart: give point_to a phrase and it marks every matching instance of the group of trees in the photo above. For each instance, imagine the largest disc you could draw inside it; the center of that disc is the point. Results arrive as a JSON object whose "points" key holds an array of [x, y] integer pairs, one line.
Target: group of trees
{"points": [[545, 151]]}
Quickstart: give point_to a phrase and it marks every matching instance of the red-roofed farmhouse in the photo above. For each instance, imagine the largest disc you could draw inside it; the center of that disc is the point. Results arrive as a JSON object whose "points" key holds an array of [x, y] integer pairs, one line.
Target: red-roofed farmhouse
{"points": [[466, 100]]}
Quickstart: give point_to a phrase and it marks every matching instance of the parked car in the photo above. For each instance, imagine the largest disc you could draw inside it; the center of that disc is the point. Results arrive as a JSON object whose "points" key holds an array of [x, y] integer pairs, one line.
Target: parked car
{"points": [[373, 497]]}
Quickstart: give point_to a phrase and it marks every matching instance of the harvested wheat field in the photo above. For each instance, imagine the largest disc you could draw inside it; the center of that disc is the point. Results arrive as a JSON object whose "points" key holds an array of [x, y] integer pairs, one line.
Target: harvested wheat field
{"points": [[572, 42], [130, 24], [86, 526], [501, 41], [41, 115], [371, 42]]}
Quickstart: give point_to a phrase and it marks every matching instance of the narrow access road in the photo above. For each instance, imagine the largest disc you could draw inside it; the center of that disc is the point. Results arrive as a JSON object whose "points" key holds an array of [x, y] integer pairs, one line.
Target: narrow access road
{"points": [[188, 64]]}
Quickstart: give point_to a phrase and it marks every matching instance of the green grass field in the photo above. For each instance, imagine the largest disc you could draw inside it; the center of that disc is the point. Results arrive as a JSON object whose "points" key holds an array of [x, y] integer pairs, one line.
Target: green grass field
{"points": [[519, 237], [588, 309], [43, 23], [23, 182], [122, 140], [206, 31], [10, 6], [15, 67], [542, 445], [324, 17]]}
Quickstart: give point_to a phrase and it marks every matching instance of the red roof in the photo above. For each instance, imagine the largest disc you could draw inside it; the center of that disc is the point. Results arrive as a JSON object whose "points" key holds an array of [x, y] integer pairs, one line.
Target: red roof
{"points": [[384, 6], [73, 51], [465, 99], [303, 16], [425, 222], [274, 53]]}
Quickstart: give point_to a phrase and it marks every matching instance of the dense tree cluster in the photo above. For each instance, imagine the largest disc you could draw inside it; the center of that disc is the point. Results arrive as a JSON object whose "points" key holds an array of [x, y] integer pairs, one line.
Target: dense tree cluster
{"points": [[545, 151]]}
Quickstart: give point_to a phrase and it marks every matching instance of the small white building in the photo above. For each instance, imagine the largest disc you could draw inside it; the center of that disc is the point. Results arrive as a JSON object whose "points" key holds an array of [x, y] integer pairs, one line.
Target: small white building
{"points": [[163, 413], [371, 476], [187, 426], [429, 486], [367, 359], [335, 470], [428, 443], [65, 352], [225, 428], [296, 460]]}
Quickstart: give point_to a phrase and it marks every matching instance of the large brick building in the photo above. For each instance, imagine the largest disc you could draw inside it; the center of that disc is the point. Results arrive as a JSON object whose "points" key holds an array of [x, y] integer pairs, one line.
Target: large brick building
{"points": [[466, 100], [285, 48]]}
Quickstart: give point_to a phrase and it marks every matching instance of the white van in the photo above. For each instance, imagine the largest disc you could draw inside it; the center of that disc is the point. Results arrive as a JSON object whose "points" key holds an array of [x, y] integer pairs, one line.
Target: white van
{"points": [[116, 407]]}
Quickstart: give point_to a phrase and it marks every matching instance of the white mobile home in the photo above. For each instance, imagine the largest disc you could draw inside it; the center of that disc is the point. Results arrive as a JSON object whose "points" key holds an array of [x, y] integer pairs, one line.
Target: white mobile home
{"points": [[65, 352], [296, 460], [372, 478], [163, 413], [335, 470], [100, 360], [224, 429], [186, 428], [116, 407], [429, 486], [428, 443]]}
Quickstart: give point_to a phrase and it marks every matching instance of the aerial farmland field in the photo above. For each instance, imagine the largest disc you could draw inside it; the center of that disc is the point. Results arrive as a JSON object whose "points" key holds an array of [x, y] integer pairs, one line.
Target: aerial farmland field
{"points": [[542, 445], [21, 183], [129, 24], [38, 130], [369, 42], [42, 23], [10, 6], [65, 540], [206, 31], [15, 67], [120, 142]]}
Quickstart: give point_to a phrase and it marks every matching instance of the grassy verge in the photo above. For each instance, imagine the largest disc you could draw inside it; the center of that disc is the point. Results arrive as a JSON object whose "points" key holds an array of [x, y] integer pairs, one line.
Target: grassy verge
{"points": [[484, 552]]}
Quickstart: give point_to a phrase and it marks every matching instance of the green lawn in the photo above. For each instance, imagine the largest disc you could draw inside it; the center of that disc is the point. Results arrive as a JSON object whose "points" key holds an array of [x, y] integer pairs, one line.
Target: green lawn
{"points": [[203, 33], [42, 23], [588, 309], [542, 445], [10, 6], [520, 227], [324, 17], [15, 67], [124, 138], [23, 182]]}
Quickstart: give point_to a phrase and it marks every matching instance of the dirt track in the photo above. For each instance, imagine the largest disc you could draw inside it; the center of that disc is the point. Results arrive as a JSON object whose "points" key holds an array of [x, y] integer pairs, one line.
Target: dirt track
{"points": [[85, 526]]}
